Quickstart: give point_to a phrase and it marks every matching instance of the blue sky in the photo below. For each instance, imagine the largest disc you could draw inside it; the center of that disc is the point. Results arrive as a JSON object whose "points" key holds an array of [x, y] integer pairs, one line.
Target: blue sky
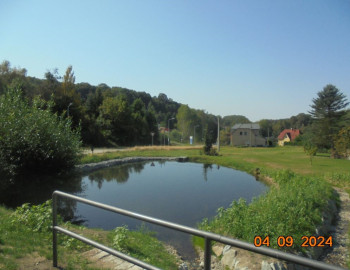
{"points": [[260, 59]]}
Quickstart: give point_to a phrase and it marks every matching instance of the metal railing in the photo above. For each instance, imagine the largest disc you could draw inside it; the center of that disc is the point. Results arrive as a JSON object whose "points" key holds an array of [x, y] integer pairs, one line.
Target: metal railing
{"points": [[206, 235]]}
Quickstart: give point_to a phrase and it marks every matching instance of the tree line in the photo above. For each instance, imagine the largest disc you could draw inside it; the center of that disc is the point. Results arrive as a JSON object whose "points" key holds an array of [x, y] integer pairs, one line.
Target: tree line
{"points": [[116, 116], [107, 116]]}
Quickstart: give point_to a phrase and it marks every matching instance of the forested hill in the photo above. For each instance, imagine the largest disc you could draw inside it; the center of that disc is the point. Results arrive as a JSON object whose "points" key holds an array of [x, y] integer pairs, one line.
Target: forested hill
{"points": [[120, 116]]}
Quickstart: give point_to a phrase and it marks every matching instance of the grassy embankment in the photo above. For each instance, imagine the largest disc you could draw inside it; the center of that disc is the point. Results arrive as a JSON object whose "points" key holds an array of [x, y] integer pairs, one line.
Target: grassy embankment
{"points": [[293, 207], [310, 195], [26, 242]]}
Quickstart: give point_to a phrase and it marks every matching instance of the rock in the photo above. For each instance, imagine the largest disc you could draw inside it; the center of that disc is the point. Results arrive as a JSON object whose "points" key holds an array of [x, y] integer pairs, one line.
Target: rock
{"points": [[300, 267], [108, 163], [218, 250], [226, 248], [183, 266], [277, 266], [265, 266], [229, 258]]}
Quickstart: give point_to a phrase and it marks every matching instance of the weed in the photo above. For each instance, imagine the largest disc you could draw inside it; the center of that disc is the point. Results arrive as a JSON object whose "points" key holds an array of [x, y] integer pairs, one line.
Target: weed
{"points": [[143, 245]]}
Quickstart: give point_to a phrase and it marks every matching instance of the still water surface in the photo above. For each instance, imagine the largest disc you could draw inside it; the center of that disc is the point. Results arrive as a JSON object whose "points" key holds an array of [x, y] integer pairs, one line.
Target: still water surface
{"points": [[183, 193]]}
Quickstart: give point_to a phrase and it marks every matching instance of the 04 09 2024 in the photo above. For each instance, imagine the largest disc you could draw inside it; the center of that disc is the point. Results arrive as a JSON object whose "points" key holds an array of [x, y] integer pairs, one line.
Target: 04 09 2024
{"points": [[288, 241]]}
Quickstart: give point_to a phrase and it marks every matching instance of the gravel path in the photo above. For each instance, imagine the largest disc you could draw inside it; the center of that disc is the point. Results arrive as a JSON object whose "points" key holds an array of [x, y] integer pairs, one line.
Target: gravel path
{"points": [[339, 254]]}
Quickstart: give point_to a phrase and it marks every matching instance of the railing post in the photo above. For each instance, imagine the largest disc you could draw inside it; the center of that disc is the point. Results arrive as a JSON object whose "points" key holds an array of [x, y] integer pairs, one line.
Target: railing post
{"points": [[208, 237], [54, 232], [207, 254]]}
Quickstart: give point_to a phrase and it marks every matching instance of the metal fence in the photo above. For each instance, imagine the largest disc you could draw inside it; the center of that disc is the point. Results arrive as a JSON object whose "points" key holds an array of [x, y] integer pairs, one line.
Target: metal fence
{"points": [[206, 235]]}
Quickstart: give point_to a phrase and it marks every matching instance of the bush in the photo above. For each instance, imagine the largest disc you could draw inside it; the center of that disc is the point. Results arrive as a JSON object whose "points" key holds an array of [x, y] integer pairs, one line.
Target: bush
{"points": [[36, 218], [208, 145], [342, 144], [32, 138], [176, 136]]}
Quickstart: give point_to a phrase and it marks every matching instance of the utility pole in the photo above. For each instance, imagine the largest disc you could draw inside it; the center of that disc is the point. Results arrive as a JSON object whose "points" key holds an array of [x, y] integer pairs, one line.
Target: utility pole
{"points": [[194, 133], [164, 136], [169, 129], [218, 134], [250, 144]]}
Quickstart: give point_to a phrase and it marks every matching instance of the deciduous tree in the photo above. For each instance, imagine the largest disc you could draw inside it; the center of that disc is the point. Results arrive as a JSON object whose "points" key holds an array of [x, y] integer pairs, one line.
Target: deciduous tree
{"points": [[342, 143], [32, 138]]}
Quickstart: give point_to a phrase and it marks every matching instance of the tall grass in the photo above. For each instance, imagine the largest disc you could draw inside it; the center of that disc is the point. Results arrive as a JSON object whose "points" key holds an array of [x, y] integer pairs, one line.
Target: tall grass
{"points": [[291, 208], [27, 230]]}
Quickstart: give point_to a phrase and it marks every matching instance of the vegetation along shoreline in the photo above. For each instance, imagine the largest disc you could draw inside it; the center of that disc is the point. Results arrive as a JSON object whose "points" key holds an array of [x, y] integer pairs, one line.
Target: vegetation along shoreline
{"points": [[294, 198]]}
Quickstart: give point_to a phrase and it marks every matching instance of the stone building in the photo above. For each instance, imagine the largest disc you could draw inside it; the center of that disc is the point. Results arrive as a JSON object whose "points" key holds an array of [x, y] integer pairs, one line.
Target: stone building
{"points": [[246, 135]]}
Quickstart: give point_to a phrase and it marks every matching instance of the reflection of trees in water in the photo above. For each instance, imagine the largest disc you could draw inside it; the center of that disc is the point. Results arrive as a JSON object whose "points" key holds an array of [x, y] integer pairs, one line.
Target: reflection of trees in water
{"points": [[36, 189], [119, 173], [66, 209], [206, 167], [97, 177], [138, 167], [161, 162]]}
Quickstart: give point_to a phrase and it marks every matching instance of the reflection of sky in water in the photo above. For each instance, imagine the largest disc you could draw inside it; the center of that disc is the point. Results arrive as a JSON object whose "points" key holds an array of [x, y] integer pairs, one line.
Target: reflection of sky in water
{"points": [[183, 193]]}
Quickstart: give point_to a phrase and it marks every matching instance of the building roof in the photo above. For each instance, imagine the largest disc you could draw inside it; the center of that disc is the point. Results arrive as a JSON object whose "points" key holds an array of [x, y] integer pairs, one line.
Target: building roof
{"points": [[247, 126], [291, 133]]}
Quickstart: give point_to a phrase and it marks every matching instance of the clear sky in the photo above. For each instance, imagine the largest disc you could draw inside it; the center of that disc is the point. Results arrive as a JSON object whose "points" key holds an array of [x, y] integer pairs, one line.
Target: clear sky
{"points": [[260, 59]]}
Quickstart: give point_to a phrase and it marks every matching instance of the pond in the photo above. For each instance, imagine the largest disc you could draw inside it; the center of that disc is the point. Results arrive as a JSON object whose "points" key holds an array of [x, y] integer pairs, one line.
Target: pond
{"points": [[183, 193]]}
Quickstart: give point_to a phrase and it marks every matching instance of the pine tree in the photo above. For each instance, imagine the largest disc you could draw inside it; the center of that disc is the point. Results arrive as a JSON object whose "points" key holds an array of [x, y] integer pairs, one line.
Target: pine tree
{"points": [[328, 112]]}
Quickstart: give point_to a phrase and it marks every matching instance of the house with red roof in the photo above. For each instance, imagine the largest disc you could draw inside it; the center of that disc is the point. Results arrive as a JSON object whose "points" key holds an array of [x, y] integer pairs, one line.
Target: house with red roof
{"points": [[288, 135]]}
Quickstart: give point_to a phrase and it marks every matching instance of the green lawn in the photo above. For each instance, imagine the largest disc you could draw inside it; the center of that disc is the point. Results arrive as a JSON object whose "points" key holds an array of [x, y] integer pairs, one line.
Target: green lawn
{"points": [[288, 157], [335, 171]]}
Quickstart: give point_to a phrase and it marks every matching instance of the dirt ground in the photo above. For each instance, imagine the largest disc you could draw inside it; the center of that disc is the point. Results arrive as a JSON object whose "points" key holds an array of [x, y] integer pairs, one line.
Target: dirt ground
{"points": [[35, 262], [339, 255]]}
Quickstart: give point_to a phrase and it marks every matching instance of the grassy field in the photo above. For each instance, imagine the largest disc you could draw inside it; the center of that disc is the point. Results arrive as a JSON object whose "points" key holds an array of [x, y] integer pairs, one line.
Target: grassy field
{"points": [[335, 171]]}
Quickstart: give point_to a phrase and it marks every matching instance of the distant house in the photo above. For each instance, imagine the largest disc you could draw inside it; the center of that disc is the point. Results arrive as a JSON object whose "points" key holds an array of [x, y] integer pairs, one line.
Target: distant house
{"points": [[288, 135], [246, 135]]}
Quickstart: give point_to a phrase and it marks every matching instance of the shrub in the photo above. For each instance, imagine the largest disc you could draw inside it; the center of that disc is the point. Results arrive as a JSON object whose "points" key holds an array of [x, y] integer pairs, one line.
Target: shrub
{"points": [[36, 218], [208, 145], [32, 138], [342, 144]]}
